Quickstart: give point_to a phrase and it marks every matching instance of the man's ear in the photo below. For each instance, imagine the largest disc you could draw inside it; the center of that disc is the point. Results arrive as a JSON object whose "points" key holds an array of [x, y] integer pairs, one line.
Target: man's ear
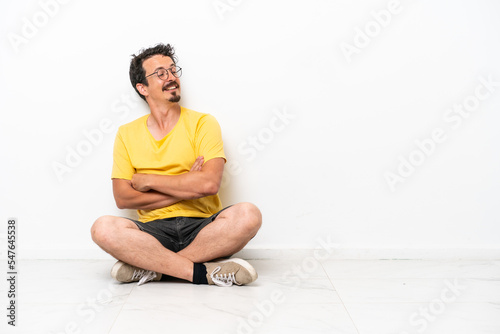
{"points": [[142, 89]]}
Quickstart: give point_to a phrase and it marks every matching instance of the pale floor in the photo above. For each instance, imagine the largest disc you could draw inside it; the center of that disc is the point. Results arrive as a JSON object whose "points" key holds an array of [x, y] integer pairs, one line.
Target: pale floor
{"points": [[290, 296]]}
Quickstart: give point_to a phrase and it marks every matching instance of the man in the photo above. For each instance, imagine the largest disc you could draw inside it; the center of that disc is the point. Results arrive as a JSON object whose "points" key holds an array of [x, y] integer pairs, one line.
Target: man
{"points": [[168, 166]]}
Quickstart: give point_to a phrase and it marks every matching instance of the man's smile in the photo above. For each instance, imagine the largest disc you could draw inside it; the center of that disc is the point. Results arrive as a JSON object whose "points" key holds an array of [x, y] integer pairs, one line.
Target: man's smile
{"points": [[171, 86]]}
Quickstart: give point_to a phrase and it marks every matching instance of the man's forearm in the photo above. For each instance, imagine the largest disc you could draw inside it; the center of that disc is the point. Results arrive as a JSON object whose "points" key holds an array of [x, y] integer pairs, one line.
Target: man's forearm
{"points": [[186, 186], [150, 200], [197, 183], [127, 197]]}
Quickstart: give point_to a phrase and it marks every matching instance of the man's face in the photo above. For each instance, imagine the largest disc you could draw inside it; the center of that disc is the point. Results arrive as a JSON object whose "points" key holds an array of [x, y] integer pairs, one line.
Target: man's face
{"points": [[161, 89]]}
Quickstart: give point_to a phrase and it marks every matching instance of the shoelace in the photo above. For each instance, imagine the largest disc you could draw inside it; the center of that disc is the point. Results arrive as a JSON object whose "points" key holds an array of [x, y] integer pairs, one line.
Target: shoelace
{"points": [[143, 275], [222, 280]]}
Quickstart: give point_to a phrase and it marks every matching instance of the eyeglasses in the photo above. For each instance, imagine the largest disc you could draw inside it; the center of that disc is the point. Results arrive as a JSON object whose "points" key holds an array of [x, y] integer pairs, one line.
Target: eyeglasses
{"points": [[163, 73]]}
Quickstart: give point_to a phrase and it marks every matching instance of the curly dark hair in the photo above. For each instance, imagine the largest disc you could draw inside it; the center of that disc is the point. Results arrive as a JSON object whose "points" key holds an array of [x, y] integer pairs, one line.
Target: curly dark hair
{"points": [[137, 73]]}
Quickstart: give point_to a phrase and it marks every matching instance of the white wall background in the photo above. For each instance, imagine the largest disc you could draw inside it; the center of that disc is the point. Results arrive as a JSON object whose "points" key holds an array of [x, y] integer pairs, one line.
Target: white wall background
{"points": [[318, 172]]}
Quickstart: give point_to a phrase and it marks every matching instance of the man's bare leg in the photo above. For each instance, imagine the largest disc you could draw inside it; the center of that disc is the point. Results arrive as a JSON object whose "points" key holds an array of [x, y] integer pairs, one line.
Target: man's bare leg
{"points": [[122, 239], [227, 234]]}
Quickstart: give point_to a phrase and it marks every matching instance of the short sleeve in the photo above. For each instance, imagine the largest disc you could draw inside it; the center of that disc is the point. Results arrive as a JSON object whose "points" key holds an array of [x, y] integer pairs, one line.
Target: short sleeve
{"points": [[122, 166], [209, 138]]}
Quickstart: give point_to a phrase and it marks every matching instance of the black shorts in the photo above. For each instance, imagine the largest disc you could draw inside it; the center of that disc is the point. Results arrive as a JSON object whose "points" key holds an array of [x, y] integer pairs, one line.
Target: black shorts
{"points": [[176, 233]]}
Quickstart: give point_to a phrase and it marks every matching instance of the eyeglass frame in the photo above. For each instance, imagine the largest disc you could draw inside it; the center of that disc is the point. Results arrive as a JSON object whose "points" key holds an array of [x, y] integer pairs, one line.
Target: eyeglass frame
{"points": [[169, 71]]}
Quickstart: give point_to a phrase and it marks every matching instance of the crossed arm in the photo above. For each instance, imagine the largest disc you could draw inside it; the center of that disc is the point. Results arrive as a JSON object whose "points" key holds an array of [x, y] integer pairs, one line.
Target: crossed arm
{"points": [[152, 191]]}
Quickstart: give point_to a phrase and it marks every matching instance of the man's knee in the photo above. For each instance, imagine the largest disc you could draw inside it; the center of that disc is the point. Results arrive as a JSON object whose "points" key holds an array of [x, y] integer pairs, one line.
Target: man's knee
{"points": [[100, 229], [105, 228], [250, 218]]}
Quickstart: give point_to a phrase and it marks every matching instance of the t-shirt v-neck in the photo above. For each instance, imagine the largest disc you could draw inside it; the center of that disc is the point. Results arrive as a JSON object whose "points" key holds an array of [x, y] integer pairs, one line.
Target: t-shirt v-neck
{"points": [[160, 142]]}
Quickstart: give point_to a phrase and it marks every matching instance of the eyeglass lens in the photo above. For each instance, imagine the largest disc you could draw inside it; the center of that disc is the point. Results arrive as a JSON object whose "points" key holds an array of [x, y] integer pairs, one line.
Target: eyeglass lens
{"points": [[163, 73]]}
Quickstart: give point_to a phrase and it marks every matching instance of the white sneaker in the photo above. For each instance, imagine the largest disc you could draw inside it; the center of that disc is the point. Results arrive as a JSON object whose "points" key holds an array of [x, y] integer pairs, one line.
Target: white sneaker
{"points": [[126, 273], [229, 272]]}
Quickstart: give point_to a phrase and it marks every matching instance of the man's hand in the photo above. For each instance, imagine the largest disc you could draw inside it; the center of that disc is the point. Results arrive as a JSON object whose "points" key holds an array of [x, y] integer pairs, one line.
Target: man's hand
{"points": [[141, 182], [197, 164]]}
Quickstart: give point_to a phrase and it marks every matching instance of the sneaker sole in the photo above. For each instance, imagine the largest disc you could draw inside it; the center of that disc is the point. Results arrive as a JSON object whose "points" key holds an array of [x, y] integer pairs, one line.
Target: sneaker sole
{"points": [[244, 264], [116, 267]]}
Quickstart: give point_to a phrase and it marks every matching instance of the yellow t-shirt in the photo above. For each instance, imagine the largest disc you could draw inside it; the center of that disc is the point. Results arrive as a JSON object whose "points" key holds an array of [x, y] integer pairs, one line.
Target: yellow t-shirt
{"points": [[136, 151]]}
